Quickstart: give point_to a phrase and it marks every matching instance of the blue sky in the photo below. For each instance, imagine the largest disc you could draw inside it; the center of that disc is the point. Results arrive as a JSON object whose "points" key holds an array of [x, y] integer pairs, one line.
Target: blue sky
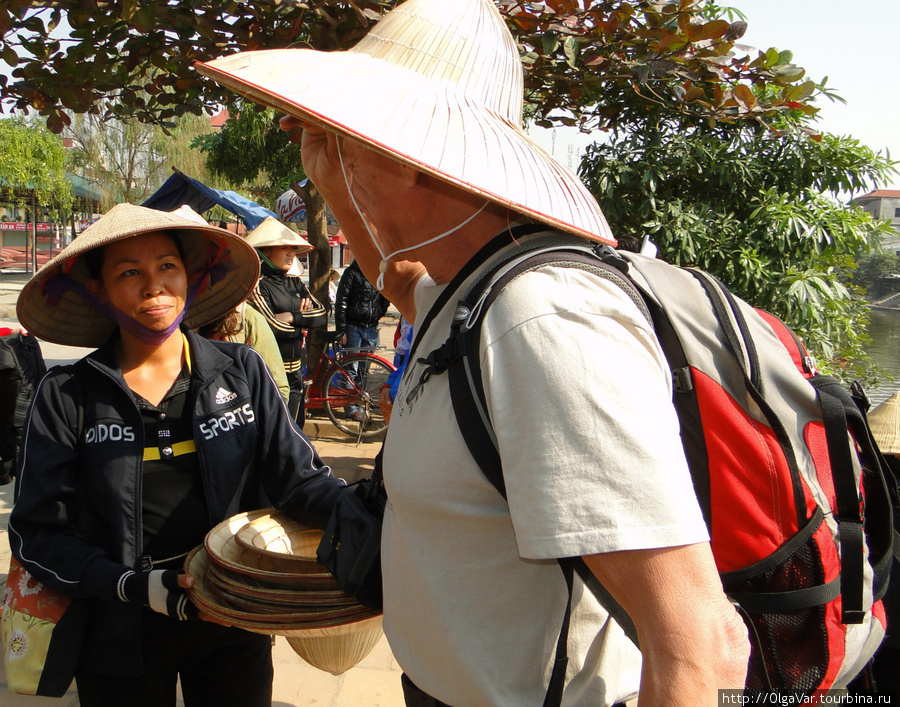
{"points": [[855, 44]]}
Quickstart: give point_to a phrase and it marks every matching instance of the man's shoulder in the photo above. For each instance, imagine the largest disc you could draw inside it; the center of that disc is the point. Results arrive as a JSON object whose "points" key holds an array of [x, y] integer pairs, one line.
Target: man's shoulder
{"points": [[557, 288]]}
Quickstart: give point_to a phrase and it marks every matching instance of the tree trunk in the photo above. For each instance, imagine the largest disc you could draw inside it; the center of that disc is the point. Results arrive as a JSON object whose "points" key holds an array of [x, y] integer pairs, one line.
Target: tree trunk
{"points": [[319, 262]]}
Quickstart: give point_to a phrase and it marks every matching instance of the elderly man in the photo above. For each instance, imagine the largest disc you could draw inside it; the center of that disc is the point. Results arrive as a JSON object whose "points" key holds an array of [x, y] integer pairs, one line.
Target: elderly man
{"points": [[414, 138]]}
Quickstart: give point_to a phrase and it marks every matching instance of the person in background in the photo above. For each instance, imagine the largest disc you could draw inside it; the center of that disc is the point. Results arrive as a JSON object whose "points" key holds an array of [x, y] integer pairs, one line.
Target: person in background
{"points": [[244, 325], [135, 452], [358, 308], [21, 368], [334, 277], [402, 342], [884, 421], [285, 302]]}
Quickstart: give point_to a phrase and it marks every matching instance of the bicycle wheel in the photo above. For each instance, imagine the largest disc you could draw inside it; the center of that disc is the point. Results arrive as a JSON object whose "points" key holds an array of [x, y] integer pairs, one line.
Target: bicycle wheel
{"points": [[352, 399]]}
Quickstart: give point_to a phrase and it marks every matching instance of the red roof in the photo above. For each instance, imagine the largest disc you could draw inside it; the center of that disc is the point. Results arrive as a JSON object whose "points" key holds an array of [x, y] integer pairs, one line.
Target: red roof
{"points": [[218, 120], [882, 194]]}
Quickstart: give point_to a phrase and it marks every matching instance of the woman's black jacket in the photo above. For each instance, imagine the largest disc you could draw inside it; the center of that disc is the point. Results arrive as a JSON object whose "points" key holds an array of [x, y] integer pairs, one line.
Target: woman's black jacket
{"points": [[76, 522], [278, 292]]}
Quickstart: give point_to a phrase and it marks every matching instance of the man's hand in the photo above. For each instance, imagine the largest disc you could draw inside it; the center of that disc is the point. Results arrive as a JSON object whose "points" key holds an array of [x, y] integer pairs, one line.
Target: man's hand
{"points": [[693, 641], [320, 157]]}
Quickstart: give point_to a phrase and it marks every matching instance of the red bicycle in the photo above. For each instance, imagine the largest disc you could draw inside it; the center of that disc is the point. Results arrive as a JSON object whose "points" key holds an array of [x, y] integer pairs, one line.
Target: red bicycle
{"points": [[347, 383]]}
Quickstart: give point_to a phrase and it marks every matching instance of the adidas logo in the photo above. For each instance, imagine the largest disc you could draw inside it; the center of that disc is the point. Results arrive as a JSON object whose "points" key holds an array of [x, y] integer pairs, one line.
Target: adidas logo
{"points": [[224, 396]]}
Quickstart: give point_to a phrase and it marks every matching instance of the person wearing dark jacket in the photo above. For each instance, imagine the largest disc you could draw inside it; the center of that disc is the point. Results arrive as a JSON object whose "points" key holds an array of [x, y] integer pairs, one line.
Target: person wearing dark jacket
{"points": [[285, 302], [358, 307], [135, 452]]}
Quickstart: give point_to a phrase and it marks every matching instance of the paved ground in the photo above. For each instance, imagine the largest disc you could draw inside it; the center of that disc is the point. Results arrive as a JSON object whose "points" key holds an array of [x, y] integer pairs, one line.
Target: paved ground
{"points": [[375, 682]]}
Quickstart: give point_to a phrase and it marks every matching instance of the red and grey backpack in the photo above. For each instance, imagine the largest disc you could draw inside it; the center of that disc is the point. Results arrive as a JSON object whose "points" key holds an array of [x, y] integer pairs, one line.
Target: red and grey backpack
{"points": [[790, 482]]}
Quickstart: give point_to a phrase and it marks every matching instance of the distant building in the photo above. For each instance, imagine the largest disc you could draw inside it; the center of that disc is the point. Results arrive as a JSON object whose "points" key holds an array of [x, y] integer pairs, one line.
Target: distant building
{"points": [[219, 119], [884, 204]]}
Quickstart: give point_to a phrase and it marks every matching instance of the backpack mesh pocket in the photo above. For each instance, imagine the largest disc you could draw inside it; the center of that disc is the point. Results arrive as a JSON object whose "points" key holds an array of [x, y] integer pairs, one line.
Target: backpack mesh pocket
{"points": [[790, 649]]}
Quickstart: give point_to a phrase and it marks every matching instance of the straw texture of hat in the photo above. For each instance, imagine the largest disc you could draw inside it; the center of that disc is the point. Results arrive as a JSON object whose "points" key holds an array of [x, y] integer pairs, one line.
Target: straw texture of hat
{"points": [[51, 308], [436, 84], [885, 423], [271, 232]]}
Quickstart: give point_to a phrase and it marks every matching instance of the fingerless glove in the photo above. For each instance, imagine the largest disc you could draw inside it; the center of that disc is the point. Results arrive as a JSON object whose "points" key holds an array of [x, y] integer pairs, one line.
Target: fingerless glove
{"points": [[159, 590]]}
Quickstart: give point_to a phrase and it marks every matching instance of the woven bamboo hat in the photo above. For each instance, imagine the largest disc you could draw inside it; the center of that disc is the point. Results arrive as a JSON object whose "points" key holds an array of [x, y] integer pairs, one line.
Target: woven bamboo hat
{"points": [[436, 84], [222, 270], [885, 423], [272, 232]]}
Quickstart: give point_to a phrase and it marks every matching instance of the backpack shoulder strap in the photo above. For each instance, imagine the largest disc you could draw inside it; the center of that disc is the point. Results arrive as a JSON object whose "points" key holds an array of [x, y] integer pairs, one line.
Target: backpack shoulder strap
{"points": [[460, 353], [460, 356]]}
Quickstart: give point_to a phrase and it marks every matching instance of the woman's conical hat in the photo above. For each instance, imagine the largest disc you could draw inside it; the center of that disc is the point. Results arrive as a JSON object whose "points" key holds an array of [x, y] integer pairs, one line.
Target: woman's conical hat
{"points": [[272, 232], [53, 307]]}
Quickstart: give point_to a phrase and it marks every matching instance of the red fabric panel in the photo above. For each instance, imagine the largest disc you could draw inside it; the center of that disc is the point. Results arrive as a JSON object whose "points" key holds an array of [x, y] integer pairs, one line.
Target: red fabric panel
{"points": [[749, 480], [836, 630], [818, 447]]}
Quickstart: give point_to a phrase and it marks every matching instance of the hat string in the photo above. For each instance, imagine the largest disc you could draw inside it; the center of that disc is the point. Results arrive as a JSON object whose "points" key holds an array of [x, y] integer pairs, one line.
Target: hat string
{"points": [[385, 259], [216, 269]]}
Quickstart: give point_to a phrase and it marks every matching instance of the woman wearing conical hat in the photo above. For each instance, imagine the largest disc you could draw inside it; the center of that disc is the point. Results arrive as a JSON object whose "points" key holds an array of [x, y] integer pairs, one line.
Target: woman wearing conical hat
{"points": [[135, 452], [414, 137], [285, 301], [884, 421]]}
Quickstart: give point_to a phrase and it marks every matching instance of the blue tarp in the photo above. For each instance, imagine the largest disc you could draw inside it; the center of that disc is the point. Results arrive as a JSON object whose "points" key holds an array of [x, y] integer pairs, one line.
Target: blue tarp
{"points": [[181, 189]]}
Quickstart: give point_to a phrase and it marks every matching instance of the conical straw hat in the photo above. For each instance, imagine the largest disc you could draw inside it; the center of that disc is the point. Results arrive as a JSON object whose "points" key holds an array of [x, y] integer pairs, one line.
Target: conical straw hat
{"points": [[436, 84], [271, 232], [52, 308], [342, 649], [885, 423]]}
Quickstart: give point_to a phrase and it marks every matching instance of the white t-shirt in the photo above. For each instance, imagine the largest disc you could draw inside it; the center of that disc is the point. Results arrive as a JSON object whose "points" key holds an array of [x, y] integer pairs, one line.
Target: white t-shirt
{"points": [[580, 397]]}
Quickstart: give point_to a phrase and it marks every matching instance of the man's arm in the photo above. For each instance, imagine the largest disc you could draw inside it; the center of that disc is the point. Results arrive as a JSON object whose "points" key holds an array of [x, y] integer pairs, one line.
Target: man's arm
{"points": [[693, 641]]}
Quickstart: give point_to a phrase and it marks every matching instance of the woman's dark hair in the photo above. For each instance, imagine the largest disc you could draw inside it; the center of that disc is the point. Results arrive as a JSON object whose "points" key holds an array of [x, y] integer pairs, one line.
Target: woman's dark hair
{"points": [[93, 259], [229, 324]]}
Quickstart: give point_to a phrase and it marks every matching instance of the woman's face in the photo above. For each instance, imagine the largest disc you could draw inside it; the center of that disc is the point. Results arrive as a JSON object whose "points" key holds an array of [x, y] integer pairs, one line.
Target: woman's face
{"points": [[145, 278], [282, 256]]}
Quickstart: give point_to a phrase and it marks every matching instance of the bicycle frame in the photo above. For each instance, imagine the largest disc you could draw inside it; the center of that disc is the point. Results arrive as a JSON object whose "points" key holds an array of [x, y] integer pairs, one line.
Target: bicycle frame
{"points": [[332, 359]]}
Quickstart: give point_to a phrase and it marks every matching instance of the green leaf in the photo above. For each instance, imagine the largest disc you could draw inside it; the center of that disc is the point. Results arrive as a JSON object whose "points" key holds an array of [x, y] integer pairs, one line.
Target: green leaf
{"points": [[9, 55], [570, 47]]}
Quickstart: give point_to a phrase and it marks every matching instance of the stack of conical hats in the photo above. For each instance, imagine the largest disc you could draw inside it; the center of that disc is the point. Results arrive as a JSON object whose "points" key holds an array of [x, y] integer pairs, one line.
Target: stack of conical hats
{"points": [[885, 423], [258, 571]]}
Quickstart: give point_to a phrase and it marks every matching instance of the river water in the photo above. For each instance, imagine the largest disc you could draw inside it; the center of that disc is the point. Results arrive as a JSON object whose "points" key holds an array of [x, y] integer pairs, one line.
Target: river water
{"points": [[884, 329]]}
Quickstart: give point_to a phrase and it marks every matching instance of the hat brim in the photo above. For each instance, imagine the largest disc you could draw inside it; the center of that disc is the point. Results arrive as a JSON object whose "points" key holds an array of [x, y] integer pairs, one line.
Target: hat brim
{"points": [[416, 120], [271, 232], [71, 320], [884, 422]]}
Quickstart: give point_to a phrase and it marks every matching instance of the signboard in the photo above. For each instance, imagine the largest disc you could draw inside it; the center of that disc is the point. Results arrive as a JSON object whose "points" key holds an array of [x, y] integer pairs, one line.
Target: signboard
{"points": [[9, 226]]}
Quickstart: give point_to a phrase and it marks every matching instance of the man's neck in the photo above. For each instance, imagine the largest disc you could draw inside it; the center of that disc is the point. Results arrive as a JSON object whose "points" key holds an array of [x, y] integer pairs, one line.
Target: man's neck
{"points": [[443, 260]]}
